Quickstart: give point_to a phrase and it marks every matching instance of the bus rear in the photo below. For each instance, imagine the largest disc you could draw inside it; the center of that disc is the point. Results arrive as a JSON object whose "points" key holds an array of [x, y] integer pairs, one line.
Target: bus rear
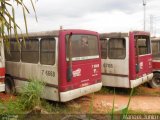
{"points": [[2, 67], [79, 63], [68, 61], [126, 59]]}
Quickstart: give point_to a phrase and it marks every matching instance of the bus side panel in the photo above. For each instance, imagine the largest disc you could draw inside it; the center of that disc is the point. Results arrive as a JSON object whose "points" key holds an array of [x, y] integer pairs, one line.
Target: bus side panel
{"points": [[23, 72], [61, 60], [145, 64], [132, 54], [2, 66], [156, 64]]}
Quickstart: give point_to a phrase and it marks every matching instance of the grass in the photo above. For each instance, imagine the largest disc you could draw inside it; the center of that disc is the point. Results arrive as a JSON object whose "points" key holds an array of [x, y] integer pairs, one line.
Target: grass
{"points": [[110, 90], [30, 98], [31, 94], [140, 90], [141, 112], [27, 100]]}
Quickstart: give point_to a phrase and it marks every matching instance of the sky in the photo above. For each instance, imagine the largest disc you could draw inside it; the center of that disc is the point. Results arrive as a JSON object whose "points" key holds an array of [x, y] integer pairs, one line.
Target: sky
{"points": [[96, 15]]}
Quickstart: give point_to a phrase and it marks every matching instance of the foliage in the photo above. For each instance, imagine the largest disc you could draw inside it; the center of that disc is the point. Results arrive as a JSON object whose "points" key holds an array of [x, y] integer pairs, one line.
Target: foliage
{"points": [[91, 106], [8, 23], [31, 94], [112, 113], [126, 110], [27, 100]]}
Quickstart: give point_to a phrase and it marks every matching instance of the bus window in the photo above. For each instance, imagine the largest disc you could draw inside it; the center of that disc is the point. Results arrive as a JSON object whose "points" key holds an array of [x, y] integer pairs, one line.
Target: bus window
{"points": [[104, 48], [117, 48], [47, 54], [155, 49], [14, 54], [143, 46], [30, 51], [83, 47]]}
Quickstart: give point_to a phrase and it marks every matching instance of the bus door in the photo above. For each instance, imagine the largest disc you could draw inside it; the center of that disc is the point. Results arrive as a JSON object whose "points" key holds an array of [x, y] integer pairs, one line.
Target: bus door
{"points": [[118, 62]]}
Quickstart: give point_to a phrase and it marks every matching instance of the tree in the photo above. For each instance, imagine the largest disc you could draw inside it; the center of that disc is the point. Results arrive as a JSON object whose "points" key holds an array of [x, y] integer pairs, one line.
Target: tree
{"points": [[8, 23]]}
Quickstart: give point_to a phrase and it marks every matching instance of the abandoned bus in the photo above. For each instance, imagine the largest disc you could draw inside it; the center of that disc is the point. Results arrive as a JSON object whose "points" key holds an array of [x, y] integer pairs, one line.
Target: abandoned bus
{"points": [[155, 82], [126, 59], [2, 67], [67, 60]]}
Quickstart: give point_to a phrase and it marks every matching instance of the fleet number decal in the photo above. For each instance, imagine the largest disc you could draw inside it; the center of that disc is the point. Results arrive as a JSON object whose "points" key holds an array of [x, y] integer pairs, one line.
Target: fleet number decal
{"points": [[48, 73]]}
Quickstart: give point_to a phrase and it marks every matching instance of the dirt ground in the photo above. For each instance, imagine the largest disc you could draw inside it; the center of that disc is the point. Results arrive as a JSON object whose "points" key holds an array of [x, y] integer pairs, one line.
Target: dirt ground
{"points": [[141, 103], [146, 100], [5, 97]]}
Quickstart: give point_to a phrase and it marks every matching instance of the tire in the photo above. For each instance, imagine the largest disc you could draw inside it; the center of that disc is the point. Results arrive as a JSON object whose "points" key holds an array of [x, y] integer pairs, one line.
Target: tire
{"points": [[9, 85], [155, 82]]}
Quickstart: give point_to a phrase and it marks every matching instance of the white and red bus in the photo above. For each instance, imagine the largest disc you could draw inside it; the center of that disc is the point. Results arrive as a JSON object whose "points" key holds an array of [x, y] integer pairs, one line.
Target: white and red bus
{"points": [[2, 66], [126, 59], [155, 82], [67, 60]]}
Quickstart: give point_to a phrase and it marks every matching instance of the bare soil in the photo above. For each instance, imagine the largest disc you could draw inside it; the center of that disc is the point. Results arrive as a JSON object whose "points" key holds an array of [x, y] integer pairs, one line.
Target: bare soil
{"points": [[145, 100], [6, 97]]}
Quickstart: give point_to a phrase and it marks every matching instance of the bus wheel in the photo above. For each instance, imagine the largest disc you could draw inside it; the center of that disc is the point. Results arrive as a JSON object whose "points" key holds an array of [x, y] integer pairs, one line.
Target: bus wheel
{"points": [[155, 82], [9, 85]]}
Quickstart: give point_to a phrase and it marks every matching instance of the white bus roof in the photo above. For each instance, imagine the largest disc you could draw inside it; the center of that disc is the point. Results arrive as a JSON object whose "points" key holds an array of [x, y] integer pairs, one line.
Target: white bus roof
{"points": [[155, 38], [53, 33], [113, 34]]}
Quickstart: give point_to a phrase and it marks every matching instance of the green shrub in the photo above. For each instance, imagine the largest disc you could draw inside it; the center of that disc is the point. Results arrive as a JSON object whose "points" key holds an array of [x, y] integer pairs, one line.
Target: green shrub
{"points": [[31, 94]]}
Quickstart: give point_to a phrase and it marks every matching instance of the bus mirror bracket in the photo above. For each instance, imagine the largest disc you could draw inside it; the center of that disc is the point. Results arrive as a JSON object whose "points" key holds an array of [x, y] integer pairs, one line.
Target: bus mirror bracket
{"points": [[69, 69], [137, 57], [137, 68]]}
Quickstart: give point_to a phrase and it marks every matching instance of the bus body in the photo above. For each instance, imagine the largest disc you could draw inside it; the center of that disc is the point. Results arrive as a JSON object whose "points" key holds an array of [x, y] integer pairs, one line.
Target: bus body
{"points": [[67, 60], [126, 59], [2, 66], [155, 82]]}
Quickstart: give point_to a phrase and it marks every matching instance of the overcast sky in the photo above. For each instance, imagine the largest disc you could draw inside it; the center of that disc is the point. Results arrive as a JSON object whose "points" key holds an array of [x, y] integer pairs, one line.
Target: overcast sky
{"points": [[97, 15]]}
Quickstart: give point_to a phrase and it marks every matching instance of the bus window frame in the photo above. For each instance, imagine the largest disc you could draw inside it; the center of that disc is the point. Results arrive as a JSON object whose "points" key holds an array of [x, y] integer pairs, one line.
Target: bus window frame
{"points": [[30, 39], [106, 49], [7, 52], [147, 38], [84, 57], [158, 43], [109, 48], [55, 50]]}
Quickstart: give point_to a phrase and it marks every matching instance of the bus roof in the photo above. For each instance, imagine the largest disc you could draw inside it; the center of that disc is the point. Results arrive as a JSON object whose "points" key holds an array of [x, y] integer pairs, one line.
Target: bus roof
{"points": [[155, 38], [121, 34], [53, 33], [113, 35]]}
